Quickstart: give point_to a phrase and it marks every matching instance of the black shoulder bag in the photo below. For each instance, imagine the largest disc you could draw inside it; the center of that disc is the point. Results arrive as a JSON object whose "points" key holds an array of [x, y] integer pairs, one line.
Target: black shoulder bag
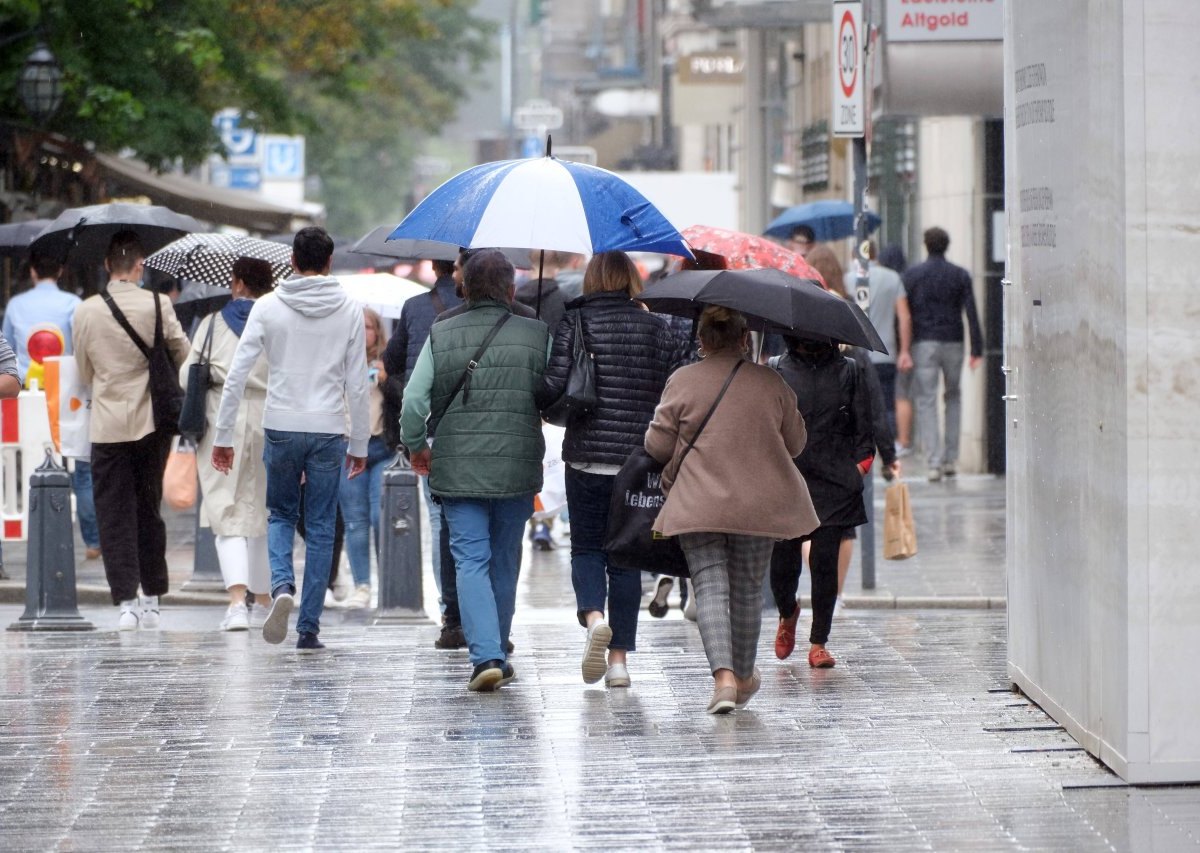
{"points": [[166, 397], [193, 414], [637, 497], [579, 396]]}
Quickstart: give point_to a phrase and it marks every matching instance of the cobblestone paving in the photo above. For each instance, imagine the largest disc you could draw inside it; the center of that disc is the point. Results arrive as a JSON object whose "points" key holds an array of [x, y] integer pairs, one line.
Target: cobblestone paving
{"points": [[190, 739]]}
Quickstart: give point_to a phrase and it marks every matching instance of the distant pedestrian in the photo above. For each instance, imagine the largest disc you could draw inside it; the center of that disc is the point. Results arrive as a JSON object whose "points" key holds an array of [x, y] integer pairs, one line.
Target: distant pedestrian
{"points": [[311, 333], [34, 318], [551, 304], [399, 359], [633, 352], [129, 452], [234, 505], [733, 495], [802, 240], [939, 292], [475, 380], [359, 498], [892, 257]]}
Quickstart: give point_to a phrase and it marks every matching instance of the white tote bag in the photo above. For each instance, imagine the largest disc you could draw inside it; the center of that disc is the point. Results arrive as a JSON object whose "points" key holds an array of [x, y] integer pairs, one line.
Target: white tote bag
{"points": [[70, 403]]}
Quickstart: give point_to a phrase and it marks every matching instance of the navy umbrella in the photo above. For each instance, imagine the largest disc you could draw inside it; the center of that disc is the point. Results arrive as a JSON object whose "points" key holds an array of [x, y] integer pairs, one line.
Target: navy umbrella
{"points": [[772, 301], [829, 220]]}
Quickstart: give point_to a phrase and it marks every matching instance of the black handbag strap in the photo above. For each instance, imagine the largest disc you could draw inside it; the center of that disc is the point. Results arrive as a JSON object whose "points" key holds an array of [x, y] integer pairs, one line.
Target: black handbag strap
{"points": [[579, 343], [711, 409], [123, 322], [206, 347], [464, 381]]}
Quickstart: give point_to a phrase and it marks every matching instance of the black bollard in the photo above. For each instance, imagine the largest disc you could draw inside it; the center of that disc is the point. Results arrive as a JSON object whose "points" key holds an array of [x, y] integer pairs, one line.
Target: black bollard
{"points": [[50, 600], [400, 596]]}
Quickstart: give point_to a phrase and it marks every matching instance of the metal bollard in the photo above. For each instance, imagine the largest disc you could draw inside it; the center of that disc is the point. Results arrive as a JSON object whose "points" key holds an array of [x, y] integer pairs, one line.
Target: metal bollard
{"points": [[401, 600], [867, 533], [50, 599]]}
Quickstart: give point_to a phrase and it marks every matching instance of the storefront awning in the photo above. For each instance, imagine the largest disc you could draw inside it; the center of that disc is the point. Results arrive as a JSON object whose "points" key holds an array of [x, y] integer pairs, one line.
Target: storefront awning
{"points": [[203, 201]]}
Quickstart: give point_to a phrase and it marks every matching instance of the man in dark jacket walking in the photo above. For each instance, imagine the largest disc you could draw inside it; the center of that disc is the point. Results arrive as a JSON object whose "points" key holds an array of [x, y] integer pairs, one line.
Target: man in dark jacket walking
{"points": [[475, 380], [938, 294], [553, 304]]}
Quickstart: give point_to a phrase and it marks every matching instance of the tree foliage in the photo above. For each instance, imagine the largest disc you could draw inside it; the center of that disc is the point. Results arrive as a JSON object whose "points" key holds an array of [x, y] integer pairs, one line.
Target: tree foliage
{"points": [[365, 80]]}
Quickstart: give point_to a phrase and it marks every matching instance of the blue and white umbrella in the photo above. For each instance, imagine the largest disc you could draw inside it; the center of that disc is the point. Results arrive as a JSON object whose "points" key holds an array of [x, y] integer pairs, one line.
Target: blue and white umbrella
{"points": [[541, 203]]}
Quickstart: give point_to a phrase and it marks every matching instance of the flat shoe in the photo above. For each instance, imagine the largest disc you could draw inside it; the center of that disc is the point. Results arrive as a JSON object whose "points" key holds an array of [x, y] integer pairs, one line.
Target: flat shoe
{"points": [[617, 676], [595, 652], [486, 677], [744, 696], [820, 659], [724, 700]]}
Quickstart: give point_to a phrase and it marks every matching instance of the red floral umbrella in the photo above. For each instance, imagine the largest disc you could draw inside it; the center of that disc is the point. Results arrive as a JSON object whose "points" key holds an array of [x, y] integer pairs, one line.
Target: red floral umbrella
{"points": [[741, 251]]}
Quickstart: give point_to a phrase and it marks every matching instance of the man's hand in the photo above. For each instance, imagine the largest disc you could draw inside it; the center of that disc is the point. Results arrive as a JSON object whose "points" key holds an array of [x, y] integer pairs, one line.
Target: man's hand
{"points": [[973, 361], [420, 461], [222, 459], [355, 465], [904, 362], [892, 471]]}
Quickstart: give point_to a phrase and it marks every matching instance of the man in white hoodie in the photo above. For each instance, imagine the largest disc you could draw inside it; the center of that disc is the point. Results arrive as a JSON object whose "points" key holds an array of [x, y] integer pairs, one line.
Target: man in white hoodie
{"points": [[312, 335]]}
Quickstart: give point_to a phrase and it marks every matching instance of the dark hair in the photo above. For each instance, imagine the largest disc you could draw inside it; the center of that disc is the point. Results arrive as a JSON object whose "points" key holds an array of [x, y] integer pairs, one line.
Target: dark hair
{"points": [[124, 252], [46, 266], [803, 231], [487, 275], [892, 257], [443, 268], [312, 249], [937, 241], [255, 273]]}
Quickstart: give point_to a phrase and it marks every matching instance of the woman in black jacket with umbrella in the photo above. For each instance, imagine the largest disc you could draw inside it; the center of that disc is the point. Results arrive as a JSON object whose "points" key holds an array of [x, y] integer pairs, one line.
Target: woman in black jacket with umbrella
{"points": [[633, 352]]}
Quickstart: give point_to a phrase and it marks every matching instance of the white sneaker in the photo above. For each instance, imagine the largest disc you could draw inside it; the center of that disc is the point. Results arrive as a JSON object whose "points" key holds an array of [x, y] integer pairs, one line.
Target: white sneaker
{"points": [[617, 676], [276, 627], [236, 618], [344, 585], [258, 615], [689, 610], [150, 619], [131, 614], [330, 601], [360, 598], [595, 652]]}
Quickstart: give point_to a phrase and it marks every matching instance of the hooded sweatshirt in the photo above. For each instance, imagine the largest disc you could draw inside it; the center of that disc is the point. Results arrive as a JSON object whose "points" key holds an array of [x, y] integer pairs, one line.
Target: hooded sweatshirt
{"points": [[312, 334]]}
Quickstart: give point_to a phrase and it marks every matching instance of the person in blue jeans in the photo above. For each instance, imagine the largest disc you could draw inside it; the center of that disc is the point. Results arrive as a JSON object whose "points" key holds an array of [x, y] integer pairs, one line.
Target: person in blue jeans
{"points": [[474, 381], [359, 498], [312, 335]]}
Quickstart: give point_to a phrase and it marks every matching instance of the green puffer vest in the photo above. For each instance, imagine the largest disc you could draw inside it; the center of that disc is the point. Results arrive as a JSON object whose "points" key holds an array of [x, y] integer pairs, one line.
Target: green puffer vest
{"points": [[488, 445]]}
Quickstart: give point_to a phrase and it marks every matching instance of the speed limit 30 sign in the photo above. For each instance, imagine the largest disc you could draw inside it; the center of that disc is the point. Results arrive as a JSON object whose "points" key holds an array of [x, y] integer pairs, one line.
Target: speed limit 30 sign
{"points": [[849, 105]]}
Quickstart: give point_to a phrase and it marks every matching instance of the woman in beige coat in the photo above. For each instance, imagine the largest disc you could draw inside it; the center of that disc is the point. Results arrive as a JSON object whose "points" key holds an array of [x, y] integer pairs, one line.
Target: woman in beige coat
{"points": [[736, 492], [234, 504]]}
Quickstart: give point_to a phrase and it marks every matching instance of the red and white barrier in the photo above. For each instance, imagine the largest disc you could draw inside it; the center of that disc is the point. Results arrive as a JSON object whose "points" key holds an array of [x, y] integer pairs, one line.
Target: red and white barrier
{"points": [[24, 440]]}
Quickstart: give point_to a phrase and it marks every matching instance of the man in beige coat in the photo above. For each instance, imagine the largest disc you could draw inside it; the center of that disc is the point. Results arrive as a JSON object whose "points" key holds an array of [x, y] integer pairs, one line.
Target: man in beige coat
{"points": [[128, 453]]}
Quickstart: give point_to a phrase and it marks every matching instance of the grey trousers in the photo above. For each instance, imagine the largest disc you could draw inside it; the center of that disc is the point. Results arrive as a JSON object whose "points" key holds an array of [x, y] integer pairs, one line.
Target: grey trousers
{"points": [[727, 580], [933, 360]]}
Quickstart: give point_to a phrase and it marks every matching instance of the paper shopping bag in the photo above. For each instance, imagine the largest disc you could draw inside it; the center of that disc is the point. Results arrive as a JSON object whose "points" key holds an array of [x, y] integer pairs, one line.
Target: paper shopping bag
{"points": [[179, 477], [899, 532]]}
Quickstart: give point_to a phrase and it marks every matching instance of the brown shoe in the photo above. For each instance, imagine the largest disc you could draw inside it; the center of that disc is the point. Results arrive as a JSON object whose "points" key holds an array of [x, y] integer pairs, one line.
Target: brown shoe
{"points": [[818, 658], [724, 700], [785, 636], [745, 694], [92, 554]]}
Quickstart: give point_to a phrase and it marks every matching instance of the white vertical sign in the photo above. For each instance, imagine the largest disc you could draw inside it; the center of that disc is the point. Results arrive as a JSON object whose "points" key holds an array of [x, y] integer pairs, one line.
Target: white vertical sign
{"points": [[849, 104]]}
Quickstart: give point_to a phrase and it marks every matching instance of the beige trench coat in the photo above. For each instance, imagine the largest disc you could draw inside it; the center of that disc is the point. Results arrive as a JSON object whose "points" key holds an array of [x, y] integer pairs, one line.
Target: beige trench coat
{"points": [[235, 504]]}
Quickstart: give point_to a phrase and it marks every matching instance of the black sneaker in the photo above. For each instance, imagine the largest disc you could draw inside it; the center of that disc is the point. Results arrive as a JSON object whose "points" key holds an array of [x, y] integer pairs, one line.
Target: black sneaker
{"points": [[658, 604], [308, 642], [452, 637], [509, 674], [486, 677], [509, 648]]}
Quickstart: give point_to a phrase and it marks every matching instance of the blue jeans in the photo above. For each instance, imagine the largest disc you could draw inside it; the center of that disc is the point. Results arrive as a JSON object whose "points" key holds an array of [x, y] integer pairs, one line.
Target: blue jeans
{"points": [[594, 579], [485, 538], [320, 457], [85, 503], [359, 500]]}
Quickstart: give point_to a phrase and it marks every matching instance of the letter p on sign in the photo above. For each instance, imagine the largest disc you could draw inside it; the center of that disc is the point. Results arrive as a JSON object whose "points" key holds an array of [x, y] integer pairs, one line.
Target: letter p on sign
{"points": [[849, 104]]}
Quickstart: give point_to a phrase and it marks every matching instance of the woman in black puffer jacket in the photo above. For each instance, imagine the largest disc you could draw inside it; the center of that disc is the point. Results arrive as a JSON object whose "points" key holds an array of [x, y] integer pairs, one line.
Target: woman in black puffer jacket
{"points": [[633, 352]]}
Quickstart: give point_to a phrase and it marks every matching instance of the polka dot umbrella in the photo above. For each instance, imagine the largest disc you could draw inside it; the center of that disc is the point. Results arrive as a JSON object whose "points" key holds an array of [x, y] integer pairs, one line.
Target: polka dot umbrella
{"points": [[209, 258]]}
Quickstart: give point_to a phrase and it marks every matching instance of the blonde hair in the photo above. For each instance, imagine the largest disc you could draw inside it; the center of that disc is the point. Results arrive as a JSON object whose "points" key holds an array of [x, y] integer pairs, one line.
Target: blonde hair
{"points": [[721, 329], [612, 272], [372, 317]]}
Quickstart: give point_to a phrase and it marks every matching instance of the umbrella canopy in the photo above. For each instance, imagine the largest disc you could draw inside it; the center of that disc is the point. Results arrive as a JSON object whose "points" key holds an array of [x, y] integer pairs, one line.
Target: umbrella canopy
{"points": [[829, 220], [84, 233], [382, 291], [209, 258], [377, 244], [541, 203], [772, 301], [743, 251], [15, 237]]}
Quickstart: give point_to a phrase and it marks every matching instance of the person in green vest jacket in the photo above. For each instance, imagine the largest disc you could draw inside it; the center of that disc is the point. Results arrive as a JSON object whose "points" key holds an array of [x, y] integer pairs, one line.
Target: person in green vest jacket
{"points": [[474, 382]]}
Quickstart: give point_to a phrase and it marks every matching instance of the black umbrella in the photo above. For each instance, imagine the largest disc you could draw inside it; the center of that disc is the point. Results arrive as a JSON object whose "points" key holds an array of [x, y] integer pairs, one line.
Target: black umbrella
{"points": [[209, 258], [376, 244], [772, 301], [83, 233], [15, 237]]}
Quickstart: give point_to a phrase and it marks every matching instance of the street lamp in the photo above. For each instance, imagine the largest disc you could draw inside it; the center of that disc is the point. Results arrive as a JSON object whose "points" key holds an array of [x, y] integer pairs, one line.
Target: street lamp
{"points": [[40, 85]]}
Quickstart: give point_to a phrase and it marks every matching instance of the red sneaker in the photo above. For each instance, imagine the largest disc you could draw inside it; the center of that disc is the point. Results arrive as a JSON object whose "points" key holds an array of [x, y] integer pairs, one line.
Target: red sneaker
{"points": [[785, 636], [818, 658]]}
